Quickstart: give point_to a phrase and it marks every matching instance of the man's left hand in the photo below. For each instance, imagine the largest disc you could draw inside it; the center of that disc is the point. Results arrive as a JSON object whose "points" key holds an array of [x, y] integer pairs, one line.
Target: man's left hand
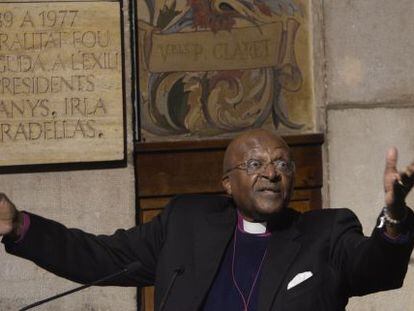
{"points": [[397, 185]]}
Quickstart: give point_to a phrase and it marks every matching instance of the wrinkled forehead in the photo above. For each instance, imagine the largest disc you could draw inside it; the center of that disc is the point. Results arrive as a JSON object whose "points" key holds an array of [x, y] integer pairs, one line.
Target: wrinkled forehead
{"points": [[261, 147], [255, 144]]}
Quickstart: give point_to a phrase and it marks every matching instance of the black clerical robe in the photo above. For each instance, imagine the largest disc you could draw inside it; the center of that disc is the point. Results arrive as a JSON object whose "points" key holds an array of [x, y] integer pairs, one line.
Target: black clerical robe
{"points": [[192, 234]]}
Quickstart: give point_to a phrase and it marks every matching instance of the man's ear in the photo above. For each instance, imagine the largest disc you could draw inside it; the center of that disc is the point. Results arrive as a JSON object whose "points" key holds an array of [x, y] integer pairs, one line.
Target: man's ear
{"points": [[291, 188], [225, 181]]}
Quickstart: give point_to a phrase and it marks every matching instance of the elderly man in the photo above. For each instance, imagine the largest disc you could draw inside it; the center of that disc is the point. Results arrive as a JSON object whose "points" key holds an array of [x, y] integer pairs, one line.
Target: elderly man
{"points": [[244, 251]]}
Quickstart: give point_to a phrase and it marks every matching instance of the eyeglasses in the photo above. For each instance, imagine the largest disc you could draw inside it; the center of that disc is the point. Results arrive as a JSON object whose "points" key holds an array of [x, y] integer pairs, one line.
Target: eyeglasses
{"points": [[254, 166]]}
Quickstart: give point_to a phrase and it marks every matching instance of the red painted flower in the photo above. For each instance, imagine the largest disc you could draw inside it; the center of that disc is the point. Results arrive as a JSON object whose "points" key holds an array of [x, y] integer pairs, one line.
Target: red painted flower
{"points": [[205, 17]]}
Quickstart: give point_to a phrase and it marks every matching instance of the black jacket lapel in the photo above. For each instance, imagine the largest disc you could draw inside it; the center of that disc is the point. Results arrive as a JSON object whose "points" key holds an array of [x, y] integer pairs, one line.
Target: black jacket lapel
{"points": [[282, 251], [213, 233]]}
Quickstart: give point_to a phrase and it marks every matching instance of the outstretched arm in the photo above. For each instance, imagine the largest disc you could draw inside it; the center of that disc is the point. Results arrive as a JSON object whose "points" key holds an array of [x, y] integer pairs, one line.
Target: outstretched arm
{"points": [[379, 262], [80, 256]]}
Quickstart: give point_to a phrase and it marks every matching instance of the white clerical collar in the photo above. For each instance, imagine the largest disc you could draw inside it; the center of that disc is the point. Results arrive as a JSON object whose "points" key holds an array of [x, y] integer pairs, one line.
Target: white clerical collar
{"points": [[254, 227], [257, 228]]}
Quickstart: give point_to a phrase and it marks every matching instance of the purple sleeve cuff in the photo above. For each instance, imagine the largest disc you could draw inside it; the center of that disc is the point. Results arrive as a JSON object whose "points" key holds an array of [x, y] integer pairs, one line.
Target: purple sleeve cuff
{"points": [[400, 239], [25, 227]]}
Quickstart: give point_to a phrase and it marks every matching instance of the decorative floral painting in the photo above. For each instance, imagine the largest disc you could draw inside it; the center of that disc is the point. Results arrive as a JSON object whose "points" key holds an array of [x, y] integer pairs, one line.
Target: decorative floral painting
{"points": [[216, 67]]}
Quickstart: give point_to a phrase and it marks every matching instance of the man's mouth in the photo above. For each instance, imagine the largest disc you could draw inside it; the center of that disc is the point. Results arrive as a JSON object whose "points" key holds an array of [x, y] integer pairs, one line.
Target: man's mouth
{"points": [[269, 189]]}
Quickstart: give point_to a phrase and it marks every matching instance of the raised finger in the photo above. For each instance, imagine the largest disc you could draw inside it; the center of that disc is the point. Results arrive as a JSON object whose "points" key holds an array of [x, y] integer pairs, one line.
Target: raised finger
{"points": [[391, 160]]}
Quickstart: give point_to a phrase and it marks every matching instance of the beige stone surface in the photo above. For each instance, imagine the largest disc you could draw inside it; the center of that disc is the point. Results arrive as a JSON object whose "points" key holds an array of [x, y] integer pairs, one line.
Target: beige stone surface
{"points": [[369, 48], [357, 142]]}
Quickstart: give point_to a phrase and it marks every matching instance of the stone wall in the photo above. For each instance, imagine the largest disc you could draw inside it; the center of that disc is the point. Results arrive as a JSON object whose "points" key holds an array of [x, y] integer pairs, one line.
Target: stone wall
{"points": [[369, 107]]}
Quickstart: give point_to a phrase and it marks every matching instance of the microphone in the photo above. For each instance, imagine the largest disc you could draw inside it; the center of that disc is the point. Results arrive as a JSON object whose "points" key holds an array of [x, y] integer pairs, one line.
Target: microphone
{"points": [[177, 271], [132, 267]]}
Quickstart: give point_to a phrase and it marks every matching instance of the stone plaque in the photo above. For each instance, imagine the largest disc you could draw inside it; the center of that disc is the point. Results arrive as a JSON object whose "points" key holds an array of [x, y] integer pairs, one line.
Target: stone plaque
{"points": [[61, 82]]}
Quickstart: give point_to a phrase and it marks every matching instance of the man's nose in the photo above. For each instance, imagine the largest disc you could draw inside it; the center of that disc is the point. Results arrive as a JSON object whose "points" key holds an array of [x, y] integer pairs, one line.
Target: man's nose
{"points": [[270, 172]]}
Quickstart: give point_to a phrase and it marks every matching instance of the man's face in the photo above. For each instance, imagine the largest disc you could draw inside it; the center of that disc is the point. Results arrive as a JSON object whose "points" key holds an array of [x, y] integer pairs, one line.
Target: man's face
{"points": [[262, 194]]}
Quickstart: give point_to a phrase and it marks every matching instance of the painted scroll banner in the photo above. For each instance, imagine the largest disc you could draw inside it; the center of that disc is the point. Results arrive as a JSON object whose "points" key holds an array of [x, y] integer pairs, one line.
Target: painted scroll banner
{"points": [[61, 85], [206, 51]]}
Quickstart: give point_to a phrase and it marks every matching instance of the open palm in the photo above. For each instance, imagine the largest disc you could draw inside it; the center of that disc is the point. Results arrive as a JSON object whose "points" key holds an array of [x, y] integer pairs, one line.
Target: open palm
{"points": [[397, 185]]}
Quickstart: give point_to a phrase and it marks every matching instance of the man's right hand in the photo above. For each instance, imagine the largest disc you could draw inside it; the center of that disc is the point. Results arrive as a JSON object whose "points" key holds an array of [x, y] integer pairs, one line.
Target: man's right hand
{"points": [[10, 218]]}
